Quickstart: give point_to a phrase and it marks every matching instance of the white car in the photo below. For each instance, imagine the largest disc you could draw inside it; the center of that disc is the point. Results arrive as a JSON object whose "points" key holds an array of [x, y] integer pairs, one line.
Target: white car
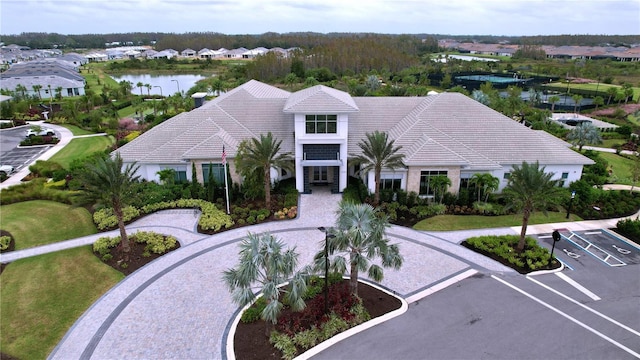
{"points": [[43, 132], [6, 170]]}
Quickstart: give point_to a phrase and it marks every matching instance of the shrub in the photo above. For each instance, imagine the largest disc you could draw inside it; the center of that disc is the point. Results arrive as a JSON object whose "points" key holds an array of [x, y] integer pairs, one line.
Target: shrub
{"points": [[155, 243], [105, 218], [253, 313], [5, 241], [503, 247], [291, 199], [629, 228]]}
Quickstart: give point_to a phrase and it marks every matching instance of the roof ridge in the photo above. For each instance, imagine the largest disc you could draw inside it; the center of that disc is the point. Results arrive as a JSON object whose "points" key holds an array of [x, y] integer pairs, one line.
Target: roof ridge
{"points": [[395, 132]]}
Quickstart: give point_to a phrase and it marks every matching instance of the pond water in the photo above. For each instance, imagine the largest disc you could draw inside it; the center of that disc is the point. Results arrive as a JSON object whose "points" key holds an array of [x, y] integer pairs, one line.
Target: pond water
{"points": [[161, 84]]}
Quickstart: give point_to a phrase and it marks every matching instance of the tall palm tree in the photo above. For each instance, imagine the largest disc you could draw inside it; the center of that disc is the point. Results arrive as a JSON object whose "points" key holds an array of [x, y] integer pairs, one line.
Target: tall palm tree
{"points": [[148, 86], [358, 238], [36, 88], [264, 154], [378, 152], [584, 133], [107, 182], [612, 91], [140, 85], [485, 183], [263, 260], [530, 189], [22, 90]]}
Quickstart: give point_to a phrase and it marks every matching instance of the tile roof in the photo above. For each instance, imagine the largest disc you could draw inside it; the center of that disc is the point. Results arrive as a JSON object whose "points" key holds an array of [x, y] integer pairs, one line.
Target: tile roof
{"points": [[436, 130]]}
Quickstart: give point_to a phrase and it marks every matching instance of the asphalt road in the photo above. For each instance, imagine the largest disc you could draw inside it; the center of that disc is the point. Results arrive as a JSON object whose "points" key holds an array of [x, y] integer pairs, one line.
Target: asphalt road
{"points": [[10, 154], [589, 312]]}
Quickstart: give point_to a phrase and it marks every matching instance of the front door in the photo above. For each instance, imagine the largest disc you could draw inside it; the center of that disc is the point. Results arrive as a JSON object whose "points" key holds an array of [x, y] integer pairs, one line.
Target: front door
{"points": [[320, 174]]}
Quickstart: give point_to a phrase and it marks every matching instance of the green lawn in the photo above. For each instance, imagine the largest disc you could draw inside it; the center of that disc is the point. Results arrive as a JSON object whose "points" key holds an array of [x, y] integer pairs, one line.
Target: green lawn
{"points": [[42, 296], [621, 167], [611, 143], [40, 222], [76, 130], [468, 222], [80, 148]]}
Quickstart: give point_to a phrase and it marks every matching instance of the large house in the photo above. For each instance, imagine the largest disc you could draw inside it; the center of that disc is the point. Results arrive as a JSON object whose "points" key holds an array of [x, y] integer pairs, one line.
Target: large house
{"points": [[445, 134]]}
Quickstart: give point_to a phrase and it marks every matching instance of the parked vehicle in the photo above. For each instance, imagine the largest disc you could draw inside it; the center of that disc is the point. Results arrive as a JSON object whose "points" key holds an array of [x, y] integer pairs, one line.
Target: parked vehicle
{"points": [[6, 170], [42, 132]]}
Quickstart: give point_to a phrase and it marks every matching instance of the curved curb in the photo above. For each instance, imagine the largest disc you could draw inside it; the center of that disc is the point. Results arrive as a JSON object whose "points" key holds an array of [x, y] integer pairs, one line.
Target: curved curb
{"points": [[544, 272], [404, 306]]}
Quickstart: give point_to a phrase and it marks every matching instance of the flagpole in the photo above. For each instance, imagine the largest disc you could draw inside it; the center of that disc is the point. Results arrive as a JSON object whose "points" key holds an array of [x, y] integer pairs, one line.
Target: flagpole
{"points": [[226, 181]]}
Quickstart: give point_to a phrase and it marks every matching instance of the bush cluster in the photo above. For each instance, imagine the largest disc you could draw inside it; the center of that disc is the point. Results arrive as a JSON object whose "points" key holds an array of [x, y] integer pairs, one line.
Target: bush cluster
{"points": [[39, 140], [246, 215], [105, 218], [285, 213], [155, 243], [534, 256], [629, 228], [5, 241], [34, 190]]}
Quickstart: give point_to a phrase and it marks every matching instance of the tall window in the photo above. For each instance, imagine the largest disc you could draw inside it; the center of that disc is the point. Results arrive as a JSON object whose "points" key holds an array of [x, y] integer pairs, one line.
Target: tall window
{"points": [[391, 184], [217, 172], [425, 179], [321, 124]]}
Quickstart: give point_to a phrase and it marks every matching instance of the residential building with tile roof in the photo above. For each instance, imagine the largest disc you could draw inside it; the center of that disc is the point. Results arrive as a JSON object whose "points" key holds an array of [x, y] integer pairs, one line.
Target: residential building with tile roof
{"points": [[443, 134]]}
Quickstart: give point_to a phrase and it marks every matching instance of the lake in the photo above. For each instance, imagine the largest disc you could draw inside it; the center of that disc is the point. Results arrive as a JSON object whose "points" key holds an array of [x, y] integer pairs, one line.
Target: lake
{"points": [[161, 84]]}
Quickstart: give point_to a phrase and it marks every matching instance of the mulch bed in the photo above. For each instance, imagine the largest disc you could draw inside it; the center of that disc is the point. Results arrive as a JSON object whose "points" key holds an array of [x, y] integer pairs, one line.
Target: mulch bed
{"points": [[250, 343], [136, 260]]}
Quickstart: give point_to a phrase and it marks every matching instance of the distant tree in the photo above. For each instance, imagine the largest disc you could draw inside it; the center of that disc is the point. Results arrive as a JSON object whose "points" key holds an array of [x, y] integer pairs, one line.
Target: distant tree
{"points": [[576, 102], [140, 85], [628, 92], [36, 89], [598, 101], [148, 86], [553, 100], [583, 134], [612, 92]]}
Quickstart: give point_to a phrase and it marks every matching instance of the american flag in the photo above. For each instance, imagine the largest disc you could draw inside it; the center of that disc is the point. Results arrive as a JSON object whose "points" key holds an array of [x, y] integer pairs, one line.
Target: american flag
{"points": [[224, 156]]}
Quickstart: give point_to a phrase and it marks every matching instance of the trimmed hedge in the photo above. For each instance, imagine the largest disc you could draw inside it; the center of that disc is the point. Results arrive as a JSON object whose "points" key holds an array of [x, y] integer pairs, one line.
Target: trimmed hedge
{"points": [[534, 257]]}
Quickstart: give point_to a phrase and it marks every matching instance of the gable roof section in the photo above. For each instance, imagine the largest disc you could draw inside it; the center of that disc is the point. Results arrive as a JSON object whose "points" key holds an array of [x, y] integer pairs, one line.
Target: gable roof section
{"points": [[320, 99], [245, 112]]}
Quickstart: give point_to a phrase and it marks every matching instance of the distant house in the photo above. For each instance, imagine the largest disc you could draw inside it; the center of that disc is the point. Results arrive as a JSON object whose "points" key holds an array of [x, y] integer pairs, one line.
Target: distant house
{"points": [[235, 53], [250, 54], [49, 76], [446, 134], [188, 53]]}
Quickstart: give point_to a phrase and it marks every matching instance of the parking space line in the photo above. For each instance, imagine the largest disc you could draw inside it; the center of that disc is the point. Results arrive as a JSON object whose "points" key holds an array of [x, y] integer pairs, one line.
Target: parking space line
{"points": [[591, 249], [572, 319], [613, 321], [582, 289], [441, 285]]}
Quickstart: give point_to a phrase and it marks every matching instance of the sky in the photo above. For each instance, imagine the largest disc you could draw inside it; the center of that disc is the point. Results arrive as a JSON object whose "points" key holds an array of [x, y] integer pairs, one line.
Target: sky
{"points": [[453, 17]]}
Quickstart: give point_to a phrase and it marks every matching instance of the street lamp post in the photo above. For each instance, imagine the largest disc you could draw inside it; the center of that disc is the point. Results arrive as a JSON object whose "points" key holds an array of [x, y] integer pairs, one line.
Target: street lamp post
{"points": [[326, 266], [573, 195], [178, 84], [556, 237], [159, 87]]}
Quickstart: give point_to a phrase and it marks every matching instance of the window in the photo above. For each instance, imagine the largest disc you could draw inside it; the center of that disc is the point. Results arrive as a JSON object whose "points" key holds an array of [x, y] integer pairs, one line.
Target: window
{"points": [[180, 172], [425, 179], [507, 176], [563, 179], [217, 171], [391, 184], [321, 124]]}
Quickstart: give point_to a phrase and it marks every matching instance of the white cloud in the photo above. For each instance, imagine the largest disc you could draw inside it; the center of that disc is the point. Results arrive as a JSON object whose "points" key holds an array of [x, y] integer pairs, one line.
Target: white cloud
{"points": [[494, 17]]}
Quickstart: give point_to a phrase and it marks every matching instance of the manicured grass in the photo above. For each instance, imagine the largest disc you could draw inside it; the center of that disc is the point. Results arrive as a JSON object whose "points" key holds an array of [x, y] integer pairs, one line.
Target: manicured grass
{"points": [[611, 143], [621, 166], [40, 222], [42, 296], [468, 222], [76, 131], [80, 148]]}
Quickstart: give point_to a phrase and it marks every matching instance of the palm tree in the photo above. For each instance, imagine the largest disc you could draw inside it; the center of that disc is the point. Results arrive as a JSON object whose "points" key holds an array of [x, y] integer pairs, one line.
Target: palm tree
{"points": [[264, 154], [612, 92], [140, 85], [530, 189], [378, 153], [576, 101], [584, 133], [485, 183], [148, 86], [439, 184], [360, 235], [598, 101], [36, 88], [553, 100], [107, 182], [263, 260], [22, 90]]}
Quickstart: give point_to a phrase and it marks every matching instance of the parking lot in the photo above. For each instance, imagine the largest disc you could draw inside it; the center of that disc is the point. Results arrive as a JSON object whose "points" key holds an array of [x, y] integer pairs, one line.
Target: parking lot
{"points": [[593, 248], [10, 154]]}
